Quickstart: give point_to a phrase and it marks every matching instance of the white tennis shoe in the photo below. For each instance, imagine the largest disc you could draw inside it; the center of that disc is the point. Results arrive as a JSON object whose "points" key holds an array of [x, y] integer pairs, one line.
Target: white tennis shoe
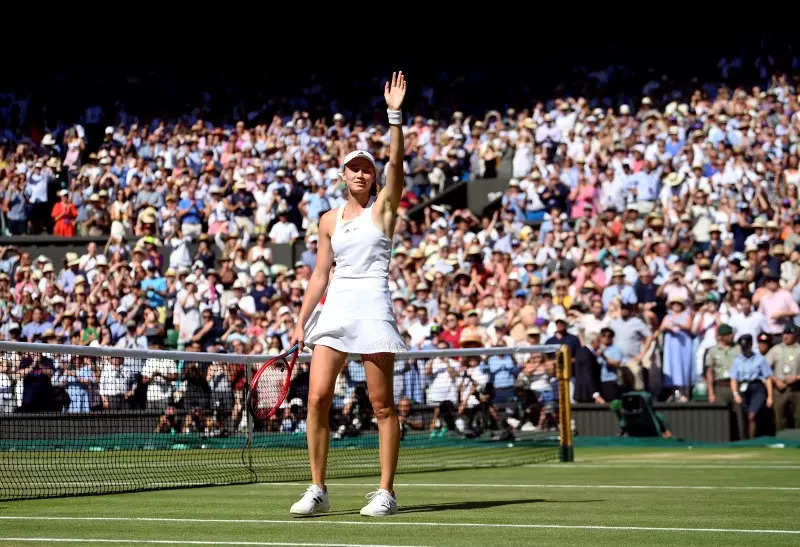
{"points": [[381, 504], [314, 500]]}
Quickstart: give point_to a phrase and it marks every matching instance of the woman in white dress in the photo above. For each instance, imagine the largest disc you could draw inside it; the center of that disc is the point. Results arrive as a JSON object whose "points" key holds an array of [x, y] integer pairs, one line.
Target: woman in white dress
{"points": [[357, 316]]}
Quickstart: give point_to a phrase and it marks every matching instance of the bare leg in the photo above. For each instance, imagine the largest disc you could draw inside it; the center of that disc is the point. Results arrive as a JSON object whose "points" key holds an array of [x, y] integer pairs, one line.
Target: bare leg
{"points": [[379, 370], [325, 366]]}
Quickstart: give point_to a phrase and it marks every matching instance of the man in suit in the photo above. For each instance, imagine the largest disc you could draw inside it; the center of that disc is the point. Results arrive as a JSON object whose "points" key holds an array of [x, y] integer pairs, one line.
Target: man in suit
{"points": [[586, 371]]}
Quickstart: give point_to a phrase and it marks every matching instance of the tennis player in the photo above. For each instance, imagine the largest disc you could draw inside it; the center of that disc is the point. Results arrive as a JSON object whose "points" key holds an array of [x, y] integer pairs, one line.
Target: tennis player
{"points": [[357, 317]]}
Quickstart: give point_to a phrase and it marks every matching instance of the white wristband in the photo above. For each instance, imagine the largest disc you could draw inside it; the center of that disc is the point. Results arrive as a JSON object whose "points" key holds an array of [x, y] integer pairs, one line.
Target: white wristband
{"points": [[395, 117]]}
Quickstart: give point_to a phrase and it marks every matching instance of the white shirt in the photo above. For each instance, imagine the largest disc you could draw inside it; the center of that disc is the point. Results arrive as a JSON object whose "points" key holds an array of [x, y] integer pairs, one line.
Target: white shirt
{"points": [[475, 379], [753, 324], [443, 386], [419, 332], [112, 381], [159, 388], [180, 257], [283, 232], [6, 394]]}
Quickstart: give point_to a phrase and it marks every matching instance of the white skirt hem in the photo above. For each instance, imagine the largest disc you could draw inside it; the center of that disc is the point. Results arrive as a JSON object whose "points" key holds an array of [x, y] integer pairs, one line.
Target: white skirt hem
{"points": [[358, 336]]}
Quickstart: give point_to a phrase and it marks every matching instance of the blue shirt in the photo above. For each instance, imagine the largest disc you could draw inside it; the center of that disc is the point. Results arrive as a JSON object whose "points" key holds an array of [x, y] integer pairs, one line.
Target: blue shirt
{"points": [[309, 258], [7, 264], [746, 369], [67, 280], [673, 148], [626, 294], [609, 374], [17, 209], [646, 185], [317, 205], [716, 135], [502, 370], [193, 216], [408, 382], [30, 330], [157, 283]]}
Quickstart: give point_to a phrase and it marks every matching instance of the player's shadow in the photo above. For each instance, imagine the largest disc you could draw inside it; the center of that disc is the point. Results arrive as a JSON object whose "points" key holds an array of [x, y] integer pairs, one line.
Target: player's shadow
{"points": [[482, 504], [458, 505]]}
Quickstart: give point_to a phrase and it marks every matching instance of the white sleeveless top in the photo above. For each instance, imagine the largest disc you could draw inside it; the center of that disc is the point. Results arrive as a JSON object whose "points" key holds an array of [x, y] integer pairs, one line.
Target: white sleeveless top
{"points": [[357, 316], [360, 249]]}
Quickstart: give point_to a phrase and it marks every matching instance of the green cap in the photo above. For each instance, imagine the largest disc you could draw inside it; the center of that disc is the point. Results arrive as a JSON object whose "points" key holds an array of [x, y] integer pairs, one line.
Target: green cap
{"points": [[724, 329]]}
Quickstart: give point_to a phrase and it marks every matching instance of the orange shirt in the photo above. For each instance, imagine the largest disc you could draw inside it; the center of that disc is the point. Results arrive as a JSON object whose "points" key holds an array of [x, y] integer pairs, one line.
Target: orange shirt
{"points": [[65, 226]]}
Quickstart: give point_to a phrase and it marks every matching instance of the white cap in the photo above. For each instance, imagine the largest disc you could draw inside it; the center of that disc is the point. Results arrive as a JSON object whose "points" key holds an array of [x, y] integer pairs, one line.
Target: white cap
{"points": [[239, 284], [283, 309], [359, 154], [191, 278], [109, 130]]}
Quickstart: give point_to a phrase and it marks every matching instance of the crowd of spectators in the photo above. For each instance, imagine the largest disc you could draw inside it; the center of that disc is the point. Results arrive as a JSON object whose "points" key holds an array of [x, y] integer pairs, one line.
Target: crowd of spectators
{"points": [[634, 233]]}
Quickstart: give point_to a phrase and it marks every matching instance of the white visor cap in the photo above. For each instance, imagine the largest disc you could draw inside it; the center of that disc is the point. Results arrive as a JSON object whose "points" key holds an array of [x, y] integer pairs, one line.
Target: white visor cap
{"points": [[359, 154]]}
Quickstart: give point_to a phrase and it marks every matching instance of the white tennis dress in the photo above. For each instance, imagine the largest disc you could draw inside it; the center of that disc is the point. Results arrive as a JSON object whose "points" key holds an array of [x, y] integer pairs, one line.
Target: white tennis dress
{"points": [[357, 315]]}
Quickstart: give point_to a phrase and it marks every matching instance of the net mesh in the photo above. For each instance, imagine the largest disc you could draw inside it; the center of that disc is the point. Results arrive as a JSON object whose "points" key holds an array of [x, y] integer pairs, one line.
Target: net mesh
{"points": [[78, 421]]}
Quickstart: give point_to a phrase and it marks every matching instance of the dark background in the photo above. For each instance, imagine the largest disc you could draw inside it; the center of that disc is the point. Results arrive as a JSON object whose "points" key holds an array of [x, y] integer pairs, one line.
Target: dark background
{"points": [[171, 81]]}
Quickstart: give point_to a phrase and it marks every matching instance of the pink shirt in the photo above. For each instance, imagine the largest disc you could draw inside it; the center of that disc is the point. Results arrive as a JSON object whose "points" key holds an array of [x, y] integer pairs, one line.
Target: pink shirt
{"points": [[771, 304], [586, 194], [598, 277]]}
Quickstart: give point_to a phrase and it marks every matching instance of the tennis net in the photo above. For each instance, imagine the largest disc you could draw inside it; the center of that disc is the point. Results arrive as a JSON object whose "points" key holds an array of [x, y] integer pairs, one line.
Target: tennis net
{"points": [[87, 420]]}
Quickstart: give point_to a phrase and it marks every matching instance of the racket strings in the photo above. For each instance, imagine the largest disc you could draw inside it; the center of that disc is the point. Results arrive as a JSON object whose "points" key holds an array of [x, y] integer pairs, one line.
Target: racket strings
{"points": [[268, 388]]}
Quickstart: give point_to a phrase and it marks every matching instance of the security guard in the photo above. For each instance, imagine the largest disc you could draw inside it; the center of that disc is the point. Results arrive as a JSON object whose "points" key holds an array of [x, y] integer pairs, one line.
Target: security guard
{"points": [[785, 362], [751, 382], [718, 362]]}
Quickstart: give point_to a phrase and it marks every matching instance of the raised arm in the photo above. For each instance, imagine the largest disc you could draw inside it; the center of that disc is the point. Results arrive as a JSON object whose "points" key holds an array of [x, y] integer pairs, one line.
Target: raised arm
{"points": [[389, 197]]}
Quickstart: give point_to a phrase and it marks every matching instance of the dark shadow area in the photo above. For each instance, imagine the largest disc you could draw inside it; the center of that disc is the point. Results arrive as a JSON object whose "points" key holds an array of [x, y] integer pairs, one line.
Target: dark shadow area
{"points": [[457, 505], [482, 504]]}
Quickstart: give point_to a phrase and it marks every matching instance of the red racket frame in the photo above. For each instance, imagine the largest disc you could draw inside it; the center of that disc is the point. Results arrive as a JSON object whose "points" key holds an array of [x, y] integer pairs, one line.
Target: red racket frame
{"points": [[263, 414]]}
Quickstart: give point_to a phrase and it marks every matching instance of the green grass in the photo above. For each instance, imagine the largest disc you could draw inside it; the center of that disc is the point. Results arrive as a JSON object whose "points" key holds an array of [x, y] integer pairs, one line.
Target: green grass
{"points": [[447, 497]]}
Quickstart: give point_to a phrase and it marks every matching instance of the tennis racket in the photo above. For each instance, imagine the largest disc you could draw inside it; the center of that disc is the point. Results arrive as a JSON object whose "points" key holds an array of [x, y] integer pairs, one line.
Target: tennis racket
{"points": [[270, 384]]}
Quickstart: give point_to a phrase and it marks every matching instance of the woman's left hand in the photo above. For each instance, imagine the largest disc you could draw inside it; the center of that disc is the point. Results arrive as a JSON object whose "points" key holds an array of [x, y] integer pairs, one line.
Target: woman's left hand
{"points": [[395, 91]]}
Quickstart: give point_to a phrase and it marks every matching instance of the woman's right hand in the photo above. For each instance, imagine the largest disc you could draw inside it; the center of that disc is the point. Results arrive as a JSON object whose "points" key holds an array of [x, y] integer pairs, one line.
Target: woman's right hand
{"points": [[298, 337]]}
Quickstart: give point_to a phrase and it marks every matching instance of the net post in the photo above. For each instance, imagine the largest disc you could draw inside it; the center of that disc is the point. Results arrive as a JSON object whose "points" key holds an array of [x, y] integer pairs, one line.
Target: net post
{"points": [[564, 372], [248, 446]]}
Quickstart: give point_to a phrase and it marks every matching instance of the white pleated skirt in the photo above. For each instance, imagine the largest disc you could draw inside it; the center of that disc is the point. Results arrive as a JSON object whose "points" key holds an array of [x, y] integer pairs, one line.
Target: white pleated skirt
{"points": [[356, 318]]}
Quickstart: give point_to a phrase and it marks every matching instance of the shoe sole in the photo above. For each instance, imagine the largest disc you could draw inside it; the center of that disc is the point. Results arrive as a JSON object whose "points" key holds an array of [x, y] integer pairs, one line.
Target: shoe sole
{"points": [[316, 512], [363, 514]]}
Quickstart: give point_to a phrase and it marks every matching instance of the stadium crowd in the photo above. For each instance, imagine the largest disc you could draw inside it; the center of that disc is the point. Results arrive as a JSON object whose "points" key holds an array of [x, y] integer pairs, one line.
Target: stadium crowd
{"points": [[651, 238]]}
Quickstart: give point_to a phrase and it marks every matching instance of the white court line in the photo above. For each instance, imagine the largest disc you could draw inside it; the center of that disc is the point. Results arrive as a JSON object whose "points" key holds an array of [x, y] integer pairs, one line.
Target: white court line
{"points": [[642, 465], [517, 485], [456, 485], [191, 542], [302, 521]]}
